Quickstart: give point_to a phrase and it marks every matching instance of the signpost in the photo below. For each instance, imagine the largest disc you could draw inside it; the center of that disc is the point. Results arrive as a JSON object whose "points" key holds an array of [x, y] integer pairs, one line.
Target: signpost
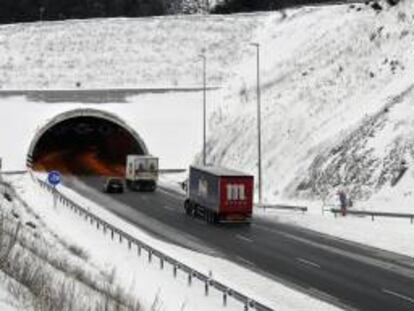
{"points": [[54, 179]]}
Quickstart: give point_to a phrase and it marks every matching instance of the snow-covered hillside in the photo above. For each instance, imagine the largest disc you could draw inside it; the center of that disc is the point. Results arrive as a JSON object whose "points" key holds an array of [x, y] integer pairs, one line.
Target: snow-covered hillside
{"points": [[336, 102], [336, 86], [146, 52]]}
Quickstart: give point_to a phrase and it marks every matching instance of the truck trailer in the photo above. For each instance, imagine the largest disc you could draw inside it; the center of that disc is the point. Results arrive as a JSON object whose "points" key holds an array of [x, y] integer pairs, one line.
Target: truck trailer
{"points": [[142, 172], [219, 195]]}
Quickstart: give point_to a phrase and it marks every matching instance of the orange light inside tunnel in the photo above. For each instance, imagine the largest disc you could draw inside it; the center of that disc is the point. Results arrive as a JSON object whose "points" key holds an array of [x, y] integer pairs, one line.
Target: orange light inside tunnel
{"points": [[85, 163], [85, 146]]}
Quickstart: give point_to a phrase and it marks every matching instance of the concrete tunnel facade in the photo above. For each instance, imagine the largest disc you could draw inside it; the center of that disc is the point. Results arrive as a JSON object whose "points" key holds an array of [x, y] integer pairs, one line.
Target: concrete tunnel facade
{"points": [[84, 142]]}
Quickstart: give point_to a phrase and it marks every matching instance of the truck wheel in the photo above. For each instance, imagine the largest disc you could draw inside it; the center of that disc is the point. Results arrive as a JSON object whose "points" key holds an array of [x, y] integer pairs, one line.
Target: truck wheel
{"points": [[215, 218], [209, 217], [187, 207]]}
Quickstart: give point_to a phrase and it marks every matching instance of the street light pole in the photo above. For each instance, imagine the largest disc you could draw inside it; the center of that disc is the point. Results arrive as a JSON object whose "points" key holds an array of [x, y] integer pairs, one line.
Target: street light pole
{"points": [[259, 125], [204, 58]]}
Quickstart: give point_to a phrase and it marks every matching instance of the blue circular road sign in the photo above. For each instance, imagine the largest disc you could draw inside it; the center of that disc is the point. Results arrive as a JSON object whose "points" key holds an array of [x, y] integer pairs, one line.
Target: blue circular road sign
{"points": [[53, 178]]}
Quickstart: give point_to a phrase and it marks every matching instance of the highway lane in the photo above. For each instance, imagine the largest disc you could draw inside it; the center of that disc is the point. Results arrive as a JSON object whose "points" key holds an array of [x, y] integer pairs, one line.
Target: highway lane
{"points": [[341, 272]]}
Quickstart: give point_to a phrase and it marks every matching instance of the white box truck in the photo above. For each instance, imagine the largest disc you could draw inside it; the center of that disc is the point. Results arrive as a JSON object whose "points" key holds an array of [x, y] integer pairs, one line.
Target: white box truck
{"points": [[142, 172]]}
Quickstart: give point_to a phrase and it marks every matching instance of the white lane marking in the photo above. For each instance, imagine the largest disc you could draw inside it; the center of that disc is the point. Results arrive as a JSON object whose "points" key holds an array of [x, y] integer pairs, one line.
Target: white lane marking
{"points": [[401, 296], [168, 208], [241, 237], [308, 262], [247, 262], [342, 252], [169, 193]]}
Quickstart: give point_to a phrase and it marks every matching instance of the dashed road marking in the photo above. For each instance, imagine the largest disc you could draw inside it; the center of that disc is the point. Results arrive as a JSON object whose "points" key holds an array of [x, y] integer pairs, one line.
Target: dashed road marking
{"points": [[169, 208], [176, 196], [242, 237], [308, 262], [395, 294]]}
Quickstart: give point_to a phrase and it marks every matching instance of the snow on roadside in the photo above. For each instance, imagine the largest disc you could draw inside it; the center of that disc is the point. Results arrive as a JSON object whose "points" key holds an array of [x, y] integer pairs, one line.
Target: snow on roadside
{"points": [[146, 280]]}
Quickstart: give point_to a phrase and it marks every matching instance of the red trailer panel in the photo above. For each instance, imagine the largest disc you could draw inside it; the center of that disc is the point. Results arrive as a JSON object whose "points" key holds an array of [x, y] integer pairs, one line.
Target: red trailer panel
{"points": [[236, 198]]}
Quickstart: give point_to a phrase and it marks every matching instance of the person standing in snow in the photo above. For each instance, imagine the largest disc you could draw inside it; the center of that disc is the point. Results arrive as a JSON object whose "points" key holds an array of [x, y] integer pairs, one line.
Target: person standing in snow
{"points": [[342, 202]]}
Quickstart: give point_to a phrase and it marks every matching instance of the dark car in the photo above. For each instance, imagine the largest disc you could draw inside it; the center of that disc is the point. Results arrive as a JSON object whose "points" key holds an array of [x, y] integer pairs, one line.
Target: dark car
{"points": [[113, 185]]}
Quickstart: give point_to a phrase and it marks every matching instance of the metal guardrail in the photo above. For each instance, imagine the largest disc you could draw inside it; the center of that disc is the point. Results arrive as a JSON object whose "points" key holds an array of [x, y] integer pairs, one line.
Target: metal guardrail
{"points": [[172, 170], [373, 214], [248, 302], [12, 172], [303, 209]]}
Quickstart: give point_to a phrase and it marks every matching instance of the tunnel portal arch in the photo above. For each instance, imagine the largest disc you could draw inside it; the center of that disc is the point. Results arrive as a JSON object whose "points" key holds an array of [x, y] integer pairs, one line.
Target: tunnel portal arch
{"points": [[59, 133]]}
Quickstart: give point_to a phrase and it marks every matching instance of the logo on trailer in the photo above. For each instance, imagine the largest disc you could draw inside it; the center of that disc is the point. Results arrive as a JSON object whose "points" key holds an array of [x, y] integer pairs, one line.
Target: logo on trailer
{"points": [[202, 188], [236, 192]]}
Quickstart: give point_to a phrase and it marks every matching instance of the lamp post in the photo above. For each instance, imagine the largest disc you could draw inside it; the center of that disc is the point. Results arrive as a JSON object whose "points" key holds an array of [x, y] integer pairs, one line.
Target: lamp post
{"points": [[204, 58], [259, 125]]}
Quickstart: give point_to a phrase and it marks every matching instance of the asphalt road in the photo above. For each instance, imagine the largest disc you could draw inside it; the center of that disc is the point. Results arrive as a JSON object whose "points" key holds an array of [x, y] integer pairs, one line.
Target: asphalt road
{"points": [[341, 272]]}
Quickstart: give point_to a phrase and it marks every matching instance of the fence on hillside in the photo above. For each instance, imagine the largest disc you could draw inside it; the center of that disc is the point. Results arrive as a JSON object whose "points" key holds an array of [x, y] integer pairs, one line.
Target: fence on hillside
{"points": [[132, 242], [302, 209], [373, 214]]}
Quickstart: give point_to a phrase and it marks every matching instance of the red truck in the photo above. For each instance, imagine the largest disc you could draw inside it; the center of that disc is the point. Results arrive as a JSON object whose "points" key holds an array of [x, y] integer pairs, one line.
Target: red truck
{"points": [[219, 194]]}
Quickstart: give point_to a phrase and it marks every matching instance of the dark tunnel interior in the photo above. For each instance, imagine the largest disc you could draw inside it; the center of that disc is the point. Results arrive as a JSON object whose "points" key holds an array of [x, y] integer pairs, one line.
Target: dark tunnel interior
{"points": [[85, 146]]}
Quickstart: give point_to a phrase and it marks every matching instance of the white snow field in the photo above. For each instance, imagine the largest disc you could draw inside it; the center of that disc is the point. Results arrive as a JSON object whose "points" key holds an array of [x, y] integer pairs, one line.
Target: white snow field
{"points": [[134, 274], [336, 89]]}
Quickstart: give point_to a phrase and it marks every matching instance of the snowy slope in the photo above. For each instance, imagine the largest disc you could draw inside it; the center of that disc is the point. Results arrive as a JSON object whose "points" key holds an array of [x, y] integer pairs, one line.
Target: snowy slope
{"points": [[138, 52], [327, 76]]}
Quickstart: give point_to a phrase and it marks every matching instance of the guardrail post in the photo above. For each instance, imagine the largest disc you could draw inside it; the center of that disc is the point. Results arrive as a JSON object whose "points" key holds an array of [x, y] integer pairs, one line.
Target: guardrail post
{"points": [[112, 234], [149, 256], [97, 225], [206, 286], [190, 278], [120, 238], [139, 250], [225, 298], [372, 217], [161, 263], [175, 271], [129, 244]]}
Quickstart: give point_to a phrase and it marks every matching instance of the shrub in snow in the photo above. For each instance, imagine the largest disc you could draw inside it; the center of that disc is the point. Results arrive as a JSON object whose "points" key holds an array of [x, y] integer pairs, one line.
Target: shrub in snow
{"points": [[376, 6], [393, 2]]}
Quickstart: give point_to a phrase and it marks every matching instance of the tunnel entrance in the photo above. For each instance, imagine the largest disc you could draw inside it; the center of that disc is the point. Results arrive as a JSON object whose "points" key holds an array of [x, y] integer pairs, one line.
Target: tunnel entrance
{"points": [[85, 144]]}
